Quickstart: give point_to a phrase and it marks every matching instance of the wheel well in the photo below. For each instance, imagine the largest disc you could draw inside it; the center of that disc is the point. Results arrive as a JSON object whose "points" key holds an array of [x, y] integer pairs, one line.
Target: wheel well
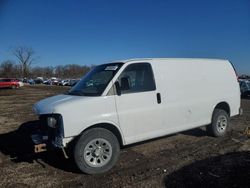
{"points": [[223, 106], [111, 128]]}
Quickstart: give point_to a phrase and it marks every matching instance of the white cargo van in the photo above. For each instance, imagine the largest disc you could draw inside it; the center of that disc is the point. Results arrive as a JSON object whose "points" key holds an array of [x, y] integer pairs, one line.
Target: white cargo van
{"points": [[134, 100]]}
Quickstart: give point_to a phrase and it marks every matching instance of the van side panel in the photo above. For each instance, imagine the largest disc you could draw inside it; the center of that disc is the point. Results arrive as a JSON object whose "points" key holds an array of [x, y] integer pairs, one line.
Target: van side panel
{"points": [[190, 90]]}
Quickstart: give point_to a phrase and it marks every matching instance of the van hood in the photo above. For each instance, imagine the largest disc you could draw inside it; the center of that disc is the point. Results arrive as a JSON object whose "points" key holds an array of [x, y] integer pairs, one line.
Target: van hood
{"points": [[48, 105]]}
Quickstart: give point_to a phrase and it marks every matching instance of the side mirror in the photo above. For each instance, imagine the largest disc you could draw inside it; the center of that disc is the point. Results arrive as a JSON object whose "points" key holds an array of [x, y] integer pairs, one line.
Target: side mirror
{"points": [[118, 88]]}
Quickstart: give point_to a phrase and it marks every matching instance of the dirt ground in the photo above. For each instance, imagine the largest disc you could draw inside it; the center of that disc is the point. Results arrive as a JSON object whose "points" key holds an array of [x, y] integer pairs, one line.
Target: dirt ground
{"points": [[187, 159]]}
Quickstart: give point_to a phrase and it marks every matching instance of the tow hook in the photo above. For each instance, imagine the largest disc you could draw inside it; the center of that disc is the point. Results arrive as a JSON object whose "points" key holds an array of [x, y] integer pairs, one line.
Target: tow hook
{"points": [[40, 148]]}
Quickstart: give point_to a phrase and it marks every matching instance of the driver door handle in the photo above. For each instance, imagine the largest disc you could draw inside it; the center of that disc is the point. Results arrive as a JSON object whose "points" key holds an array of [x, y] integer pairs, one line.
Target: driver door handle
{"points": [[158, 96]]}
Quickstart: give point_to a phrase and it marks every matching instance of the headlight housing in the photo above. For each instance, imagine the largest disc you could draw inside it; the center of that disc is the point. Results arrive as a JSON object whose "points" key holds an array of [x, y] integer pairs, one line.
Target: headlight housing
{"points": [[51, 121]]}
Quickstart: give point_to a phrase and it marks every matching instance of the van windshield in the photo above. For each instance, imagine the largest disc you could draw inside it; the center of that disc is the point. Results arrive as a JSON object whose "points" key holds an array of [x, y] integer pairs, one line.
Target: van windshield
{"points": [[95, 81]]}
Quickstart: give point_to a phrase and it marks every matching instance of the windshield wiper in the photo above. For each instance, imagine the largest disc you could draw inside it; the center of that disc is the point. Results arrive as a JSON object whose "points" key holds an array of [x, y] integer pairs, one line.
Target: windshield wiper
{"points": [[78, 93]]}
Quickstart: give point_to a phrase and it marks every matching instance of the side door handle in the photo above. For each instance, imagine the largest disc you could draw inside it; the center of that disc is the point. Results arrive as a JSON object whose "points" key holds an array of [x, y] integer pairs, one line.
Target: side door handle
{"points": [[158, 96]]}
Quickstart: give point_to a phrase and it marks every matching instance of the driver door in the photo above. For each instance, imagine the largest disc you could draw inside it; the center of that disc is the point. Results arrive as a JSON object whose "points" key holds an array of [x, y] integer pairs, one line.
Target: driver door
{"points": [[138, 104]]}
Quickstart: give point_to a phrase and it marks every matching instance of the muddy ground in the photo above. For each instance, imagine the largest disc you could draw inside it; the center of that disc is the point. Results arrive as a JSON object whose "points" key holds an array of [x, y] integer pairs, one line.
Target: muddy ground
{"points": [[187, 159]]}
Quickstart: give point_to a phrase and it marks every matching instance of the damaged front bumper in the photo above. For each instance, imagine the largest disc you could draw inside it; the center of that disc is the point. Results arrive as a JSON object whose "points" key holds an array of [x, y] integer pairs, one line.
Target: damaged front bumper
{"points": [[46, 137]]}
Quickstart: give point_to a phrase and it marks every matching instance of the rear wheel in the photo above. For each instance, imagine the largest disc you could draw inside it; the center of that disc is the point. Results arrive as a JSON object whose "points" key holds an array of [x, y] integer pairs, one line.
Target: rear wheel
{"points": [[96, 151], [220, 123]]}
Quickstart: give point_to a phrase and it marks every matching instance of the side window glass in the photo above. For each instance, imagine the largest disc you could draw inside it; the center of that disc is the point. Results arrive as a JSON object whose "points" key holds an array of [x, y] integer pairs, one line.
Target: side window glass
{"points": [[137, 77]]}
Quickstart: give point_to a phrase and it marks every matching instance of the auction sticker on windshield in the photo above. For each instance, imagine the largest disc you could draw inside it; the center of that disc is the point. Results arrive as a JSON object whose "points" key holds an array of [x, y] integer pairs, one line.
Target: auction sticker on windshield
{"points": [[112, 68]]}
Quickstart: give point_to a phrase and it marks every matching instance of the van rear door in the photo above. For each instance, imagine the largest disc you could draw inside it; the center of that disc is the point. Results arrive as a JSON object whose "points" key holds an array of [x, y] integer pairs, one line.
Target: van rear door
{"points": [[138, 105]]}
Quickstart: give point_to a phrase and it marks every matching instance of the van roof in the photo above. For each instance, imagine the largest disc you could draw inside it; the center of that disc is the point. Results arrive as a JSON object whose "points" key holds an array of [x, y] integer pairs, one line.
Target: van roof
{"points": [[151, 59]]}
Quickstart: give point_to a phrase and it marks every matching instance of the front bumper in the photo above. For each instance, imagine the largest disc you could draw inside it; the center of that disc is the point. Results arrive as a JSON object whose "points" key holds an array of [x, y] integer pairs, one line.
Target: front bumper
{"points": [[46, 137]]}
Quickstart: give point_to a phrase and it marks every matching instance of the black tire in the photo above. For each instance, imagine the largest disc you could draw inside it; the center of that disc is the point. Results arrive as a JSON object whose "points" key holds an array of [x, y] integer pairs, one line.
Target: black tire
{"points": [[82, 148], [220, 123]]}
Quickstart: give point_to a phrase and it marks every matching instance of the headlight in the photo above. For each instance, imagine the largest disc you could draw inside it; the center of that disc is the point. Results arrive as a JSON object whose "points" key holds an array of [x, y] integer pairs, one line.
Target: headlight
{"points": [[51, 121]]}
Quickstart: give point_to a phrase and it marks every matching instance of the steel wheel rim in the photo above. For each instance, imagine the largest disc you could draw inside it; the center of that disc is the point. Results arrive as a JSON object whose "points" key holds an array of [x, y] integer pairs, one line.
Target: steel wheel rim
{"points": [[221, 123], [97, 152]]}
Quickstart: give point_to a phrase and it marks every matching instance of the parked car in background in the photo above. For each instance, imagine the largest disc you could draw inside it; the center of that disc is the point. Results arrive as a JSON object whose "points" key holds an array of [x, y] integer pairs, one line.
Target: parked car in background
{"points": [[245, 88], [55, 82], [9, 83], [72, 82], [31, 82], [21, 84], [47, 82], [25, 80], [63, 82], [39, 78], [38, 81]]}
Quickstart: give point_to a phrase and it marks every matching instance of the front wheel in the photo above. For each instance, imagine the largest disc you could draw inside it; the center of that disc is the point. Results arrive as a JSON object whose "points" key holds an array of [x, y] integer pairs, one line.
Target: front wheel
{"points": [[220, 123], [96, 151]]}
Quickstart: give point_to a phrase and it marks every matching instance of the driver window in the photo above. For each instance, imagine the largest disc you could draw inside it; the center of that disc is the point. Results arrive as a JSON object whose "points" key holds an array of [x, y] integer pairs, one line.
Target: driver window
{"points": [[137, 77]]}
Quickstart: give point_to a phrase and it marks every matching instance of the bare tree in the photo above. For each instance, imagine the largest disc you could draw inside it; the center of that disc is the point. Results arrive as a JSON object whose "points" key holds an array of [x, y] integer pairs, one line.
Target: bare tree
{"points": [[59, 71], [48, 72], [25, 58], [8, 69]]}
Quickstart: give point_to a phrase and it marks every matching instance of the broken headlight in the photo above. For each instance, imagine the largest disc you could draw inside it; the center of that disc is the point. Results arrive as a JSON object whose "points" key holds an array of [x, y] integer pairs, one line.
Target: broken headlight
{"points": [[51, 121]]}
